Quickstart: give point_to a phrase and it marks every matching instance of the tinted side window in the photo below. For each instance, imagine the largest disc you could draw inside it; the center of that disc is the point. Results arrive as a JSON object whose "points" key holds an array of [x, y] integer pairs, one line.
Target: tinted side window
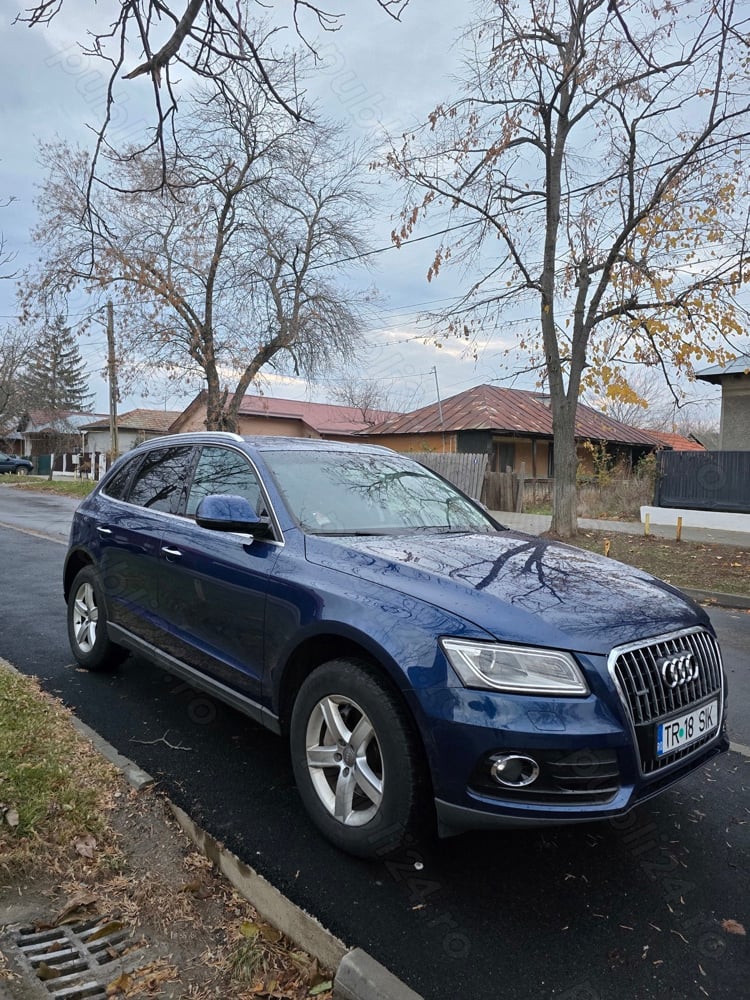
{"points": [[222, 470], [161, 479], [116, 486]]}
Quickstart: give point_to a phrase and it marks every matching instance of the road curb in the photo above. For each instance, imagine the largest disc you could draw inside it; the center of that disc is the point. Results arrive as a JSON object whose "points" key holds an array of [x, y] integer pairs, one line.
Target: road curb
{"points": [[718, 598], [298, 925], [134, 775], [358, 976]]}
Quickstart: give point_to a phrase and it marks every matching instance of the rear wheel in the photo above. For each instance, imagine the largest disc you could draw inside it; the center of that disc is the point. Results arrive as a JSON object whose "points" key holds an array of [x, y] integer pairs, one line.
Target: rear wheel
{"points": [[357, 762], [87, 624]]}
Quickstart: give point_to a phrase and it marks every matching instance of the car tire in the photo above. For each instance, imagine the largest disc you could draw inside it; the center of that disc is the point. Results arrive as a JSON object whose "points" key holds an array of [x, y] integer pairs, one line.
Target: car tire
{"points": [[87, 624], [358, 764], [22, 472]]}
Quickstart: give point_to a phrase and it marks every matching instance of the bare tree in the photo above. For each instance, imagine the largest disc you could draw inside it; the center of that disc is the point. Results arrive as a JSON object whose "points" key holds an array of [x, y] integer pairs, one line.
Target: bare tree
{"points": [[6, 256], [236, 270], [203, 39], [648, 402], [366, 395], [14, 347], [373, 397], [593, 164]]}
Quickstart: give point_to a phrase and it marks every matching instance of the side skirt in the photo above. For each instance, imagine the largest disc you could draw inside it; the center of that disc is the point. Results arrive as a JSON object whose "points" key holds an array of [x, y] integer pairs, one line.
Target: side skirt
{"points": [[201, 681]]}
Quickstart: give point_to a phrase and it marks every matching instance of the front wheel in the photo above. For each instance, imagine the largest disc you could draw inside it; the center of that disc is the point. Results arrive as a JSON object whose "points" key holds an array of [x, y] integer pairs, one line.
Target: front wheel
{"points": [[22, 471], [357, 761], [87, 624]]}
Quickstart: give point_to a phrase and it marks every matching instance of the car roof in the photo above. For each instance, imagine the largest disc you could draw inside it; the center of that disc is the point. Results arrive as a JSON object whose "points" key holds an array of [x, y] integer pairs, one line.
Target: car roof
{"points": [[265, 442]]}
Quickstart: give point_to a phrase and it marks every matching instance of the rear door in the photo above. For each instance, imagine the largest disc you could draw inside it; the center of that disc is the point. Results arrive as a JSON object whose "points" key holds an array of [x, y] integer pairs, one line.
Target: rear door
{"points": [[131, 519]]}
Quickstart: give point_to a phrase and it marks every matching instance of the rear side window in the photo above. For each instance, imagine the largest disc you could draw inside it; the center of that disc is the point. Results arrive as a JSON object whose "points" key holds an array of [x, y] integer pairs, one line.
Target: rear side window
{"points": [[160, 481], [117, 484], [223, 470]]}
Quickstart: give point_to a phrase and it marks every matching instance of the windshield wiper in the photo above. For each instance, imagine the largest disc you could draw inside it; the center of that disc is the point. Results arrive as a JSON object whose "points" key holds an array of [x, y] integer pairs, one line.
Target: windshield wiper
{"points": [[350, 532]]}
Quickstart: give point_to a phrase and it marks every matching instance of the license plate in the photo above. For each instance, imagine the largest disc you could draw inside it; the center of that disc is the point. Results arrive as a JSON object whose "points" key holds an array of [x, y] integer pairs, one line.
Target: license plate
{"points": [[685, 729]]}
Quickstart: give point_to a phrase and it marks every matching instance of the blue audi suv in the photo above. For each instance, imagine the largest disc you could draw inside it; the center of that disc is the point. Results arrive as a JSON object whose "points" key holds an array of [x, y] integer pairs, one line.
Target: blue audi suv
{"points": [[430, 669]]}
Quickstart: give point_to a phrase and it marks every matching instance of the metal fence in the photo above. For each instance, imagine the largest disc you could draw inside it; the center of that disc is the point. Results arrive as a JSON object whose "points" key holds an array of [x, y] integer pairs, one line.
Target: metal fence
{"points": [[704, 480]]}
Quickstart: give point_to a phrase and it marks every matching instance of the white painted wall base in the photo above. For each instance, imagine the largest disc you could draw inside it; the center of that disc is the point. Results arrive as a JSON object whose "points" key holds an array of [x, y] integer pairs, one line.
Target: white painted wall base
{"points": [[718, 520]]}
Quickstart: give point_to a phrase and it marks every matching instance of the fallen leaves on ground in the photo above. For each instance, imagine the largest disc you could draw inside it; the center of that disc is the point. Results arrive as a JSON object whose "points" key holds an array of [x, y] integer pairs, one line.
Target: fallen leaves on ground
{"points": [[77, 908], [734, 927], [86, 846], [145, 980]]}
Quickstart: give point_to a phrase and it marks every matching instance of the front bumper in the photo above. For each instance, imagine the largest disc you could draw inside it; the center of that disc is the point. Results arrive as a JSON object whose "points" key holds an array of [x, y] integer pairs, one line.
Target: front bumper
{"points": [[590, 763], [453, 819]]}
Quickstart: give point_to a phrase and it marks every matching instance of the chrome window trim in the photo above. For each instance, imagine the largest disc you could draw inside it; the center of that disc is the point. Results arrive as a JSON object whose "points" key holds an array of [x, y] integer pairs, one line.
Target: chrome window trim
{"points": [[617, 651]]}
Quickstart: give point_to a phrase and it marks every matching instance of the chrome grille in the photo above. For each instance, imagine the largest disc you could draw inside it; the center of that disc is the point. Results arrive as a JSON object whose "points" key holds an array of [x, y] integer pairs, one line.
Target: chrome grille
{"points": [[649, 699]]}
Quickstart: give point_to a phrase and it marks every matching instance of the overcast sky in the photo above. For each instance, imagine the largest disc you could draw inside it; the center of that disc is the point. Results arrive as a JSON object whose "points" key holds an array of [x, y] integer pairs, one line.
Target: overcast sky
{"points": [[374, 72]]}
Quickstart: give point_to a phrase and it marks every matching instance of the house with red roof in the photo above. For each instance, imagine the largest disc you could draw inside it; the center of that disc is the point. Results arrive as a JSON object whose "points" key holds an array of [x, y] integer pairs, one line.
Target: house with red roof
{"points": [[287, 417], [510, 426], [676, 442]]}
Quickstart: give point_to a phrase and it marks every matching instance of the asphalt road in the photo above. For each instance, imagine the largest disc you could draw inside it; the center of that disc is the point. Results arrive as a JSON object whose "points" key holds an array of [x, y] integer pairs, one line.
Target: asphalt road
{"points": [[632, 909]]}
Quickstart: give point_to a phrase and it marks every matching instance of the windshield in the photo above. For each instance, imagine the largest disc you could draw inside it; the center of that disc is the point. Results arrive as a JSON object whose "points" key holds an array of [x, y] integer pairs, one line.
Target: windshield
{"points": [[342, 493]]}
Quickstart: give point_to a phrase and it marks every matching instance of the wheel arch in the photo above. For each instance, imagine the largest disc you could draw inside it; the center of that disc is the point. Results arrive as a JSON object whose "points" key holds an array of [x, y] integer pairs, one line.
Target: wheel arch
{"points": [[321, 648], [74, 563]]}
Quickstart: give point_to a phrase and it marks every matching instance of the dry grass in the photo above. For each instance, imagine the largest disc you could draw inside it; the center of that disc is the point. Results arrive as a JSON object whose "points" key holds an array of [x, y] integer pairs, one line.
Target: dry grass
{"points": [[696, 565], [84, 846], [55, 790], [60, 487], [619, 498]]}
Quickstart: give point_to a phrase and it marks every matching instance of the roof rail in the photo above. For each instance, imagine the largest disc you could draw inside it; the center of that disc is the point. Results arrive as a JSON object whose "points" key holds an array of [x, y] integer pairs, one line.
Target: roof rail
{"points": [[209, 435]]}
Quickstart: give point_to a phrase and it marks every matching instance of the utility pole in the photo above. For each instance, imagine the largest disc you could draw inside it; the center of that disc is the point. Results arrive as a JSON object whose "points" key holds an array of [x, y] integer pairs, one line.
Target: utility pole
{"points": [[437, 390], [112, 377], [439, 402]]}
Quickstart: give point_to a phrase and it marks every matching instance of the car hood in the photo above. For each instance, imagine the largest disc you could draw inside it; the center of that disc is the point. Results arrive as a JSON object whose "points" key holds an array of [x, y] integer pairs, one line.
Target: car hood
{"points": [[517, 587]]}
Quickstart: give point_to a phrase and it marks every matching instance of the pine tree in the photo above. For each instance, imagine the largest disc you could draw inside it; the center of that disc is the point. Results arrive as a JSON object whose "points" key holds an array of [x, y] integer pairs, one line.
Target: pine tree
{"points": [[56, 373]]}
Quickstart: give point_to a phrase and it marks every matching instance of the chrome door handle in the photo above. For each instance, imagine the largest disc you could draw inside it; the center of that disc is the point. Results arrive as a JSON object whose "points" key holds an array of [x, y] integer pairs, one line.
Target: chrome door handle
{"points": [[174, 553], [103, 531]]}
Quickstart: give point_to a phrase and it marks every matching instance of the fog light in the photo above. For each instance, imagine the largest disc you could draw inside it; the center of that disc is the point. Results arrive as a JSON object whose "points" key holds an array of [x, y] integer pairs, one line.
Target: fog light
{"points": [[514, 770]]}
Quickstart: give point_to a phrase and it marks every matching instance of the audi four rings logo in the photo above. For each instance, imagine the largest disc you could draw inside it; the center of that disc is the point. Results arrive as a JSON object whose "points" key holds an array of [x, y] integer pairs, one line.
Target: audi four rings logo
{"points": [[678, 669]]}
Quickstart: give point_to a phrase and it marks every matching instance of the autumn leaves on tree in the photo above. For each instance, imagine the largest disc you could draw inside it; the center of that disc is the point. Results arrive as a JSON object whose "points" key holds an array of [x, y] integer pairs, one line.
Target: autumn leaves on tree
{"points": [[592, 169]]}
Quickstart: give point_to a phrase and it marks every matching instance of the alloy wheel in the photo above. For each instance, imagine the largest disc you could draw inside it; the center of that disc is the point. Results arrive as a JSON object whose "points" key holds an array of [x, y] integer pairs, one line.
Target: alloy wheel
{"points": [[85, 617], [344, 760]]}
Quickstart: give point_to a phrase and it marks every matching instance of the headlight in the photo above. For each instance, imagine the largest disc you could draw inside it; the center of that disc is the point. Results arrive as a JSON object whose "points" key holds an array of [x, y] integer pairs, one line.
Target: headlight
{"points": [[520, 669]]}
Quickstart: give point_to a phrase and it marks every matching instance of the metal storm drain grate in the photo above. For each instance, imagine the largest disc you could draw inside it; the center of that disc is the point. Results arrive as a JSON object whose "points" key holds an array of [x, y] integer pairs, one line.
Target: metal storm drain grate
{"points": [[78, 961]]}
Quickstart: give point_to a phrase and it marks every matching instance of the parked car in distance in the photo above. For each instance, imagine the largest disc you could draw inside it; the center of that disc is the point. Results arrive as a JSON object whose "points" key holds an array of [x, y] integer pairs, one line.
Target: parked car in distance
{"points": [[430, 668], [11, 463]]}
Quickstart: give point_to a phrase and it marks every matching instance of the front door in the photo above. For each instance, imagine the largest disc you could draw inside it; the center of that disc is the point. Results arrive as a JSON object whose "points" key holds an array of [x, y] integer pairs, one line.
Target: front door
{"points": [[213, 584]]}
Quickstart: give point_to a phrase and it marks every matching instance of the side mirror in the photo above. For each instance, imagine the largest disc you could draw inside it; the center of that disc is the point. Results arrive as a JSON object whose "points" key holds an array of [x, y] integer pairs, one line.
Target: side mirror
{"points": [[227, 512]]}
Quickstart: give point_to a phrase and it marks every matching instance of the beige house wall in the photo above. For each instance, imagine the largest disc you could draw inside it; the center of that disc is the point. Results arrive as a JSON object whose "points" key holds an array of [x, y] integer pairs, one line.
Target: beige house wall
{"points": [[282, 426], [412, 442], [195, 420], [190, 420], [735, 413]]}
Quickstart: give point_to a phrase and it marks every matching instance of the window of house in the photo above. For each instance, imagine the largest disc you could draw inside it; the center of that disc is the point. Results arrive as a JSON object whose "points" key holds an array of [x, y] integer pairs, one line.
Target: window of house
{"points": [[505, 456]]}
